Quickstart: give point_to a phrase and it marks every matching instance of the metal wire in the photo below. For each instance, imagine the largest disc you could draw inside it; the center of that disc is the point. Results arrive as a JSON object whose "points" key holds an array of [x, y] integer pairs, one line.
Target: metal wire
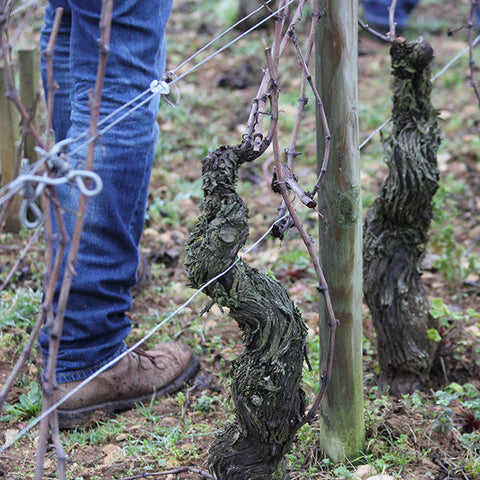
{"points": [[37, 420], [236, 39], [10, 190], [15, 186], [183, 75], [211, 42], [438, 74]]}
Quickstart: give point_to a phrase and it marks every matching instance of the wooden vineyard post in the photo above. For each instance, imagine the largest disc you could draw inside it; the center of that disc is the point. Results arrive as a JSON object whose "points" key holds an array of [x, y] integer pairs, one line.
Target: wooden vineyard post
{"points": [[29, 78], [341, 411], [9, 128]]}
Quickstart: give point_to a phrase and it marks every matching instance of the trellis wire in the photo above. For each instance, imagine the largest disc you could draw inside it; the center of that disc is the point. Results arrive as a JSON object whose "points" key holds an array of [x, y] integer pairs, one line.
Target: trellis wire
{"points": [[113, 114], [188, 72], [178, 67], [37, 420], [438, 74], [233, 41], [39, 163], [229, 29]]}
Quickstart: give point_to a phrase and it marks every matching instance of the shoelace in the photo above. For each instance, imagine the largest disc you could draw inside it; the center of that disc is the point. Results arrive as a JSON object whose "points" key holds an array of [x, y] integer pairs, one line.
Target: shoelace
{"points": [[142, 353]]}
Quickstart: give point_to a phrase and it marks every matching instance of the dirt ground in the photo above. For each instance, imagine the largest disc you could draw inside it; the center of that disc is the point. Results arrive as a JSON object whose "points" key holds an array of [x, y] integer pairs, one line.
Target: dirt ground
{"points": [[214, 101]]}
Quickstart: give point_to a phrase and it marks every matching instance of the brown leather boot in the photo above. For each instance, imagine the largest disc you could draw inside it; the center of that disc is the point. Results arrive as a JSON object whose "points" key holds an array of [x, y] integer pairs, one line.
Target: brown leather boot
{"points": [[135, 378]]}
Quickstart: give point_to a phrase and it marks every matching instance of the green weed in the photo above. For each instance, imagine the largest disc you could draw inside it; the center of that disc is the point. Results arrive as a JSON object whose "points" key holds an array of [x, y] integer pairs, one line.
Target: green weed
{"points": [[19, 308], [160, 209], [311, 378], [448, 320], [445, 317], [459, 407], [165, 444], [206, 403], [456, 261], [226, 11], [298, 257], [29, 405], [305, 454]]}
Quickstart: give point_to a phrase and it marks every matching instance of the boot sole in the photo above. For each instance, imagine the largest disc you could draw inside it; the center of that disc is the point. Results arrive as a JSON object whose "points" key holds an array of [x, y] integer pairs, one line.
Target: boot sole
{"points": [[82, 417]]}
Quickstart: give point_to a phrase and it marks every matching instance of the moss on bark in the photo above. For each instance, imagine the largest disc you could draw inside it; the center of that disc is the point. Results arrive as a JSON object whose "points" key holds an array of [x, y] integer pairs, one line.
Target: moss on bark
{"points": [[269, 402], [396, 226]]}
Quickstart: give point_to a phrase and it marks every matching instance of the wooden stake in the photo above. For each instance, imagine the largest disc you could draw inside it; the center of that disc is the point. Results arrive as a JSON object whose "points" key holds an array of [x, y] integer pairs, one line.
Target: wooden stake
{"points": [[29, 73], [9, 134], [341, 411]]}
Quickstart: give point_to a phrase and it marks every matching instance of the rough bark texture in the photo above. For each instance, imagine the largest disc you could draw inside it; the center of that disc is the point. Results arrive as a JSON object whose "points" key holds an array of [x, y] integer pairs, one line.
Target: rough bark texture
{"points": [[396, 227], [266, 391]]}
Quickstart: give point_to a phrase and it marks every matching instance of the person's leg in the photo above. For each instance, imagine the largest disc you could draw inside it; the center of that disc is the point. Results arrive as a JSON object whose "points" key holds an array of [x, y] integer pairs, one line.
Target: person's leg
{"points": [[95, 322], [376, 13]]}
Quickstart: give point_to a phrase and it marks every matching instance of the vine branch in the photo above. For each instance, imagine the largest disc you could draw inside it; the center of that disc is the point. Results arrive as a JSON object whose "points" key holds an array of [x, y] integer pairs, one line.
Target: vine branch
{"points": [[471, 23], [49, 383], [281, 184]]}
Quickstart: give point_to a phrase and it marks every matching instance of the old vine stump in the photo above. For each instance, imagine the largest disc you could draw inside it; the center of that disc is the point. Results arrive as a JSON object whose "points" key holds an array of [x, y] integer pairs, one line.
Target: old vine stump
{"points": [[269, 402], [396, 227]]}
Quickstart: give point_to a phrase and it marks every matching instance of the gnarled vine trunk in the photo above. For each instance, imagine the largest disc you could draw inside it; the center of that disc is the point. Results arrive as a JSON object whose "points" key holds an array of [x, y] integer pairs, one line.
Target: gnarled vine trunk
{"points": [[396, 227], [266, 391]]}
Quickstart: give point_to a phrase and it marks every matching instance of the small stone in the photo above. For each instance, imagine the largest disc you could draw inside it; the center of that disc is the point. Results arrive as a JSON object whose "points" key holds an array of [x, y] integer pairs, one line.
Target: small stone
{"points": [[364, 471], [112, 453], [430, 261], [187, 208], [445, 114], [10, 435], [151, 235], [474, 330], [472, 278]]}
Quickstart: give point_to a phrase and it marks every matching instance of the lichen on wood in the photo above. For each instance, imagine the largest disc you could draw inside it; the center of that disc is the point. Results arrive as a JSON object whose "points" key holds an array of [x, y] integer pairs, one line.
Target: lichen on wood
{"points": [[269, 402], [396, 226]]}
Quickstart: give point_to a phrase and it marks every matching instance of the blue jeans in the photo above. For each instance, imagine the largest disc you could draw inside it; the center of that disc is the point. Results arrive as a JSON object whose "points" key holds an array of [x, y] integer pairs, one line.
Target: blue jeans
{"points": [[96, 325], [376, 12]]}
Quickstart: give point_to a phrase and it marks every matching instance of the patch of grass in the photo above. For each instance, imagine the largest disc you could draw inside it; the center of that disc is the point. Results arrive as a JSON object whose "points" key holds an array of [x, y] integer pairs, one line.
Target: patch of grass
{"points": [[165, 444], [145, 441], [19, 308], [456, 408], [311, 380], [305, 454], [100, 434], [160, 209], [371, 117], [456, 260], [297, 257], [225, 10]]}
